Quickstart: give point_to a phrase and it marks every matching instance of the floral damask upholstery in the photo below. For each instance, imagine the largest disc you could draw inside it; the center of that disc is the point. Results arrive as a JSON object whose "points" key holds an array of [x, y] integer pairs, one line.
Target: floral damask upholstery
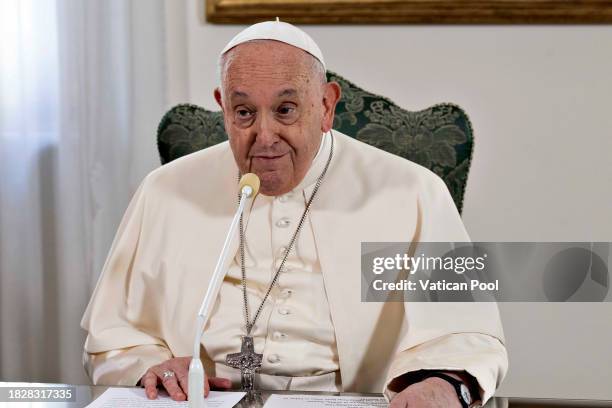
{"points": [[439, 138]]}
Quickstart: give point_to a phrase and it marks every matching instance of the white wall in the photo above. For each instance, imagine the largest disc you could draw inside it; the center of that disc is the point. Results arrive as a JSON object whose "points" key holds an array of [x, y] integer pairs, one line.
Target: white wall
{"points": [[539, 98]]}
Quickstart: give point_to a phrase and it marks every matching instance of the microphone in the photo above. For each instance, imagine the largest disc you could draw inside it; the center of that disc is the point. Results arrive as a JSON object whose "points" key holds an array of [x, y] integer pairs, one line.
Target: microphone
{"points": [[248, 187], [249, 180]]}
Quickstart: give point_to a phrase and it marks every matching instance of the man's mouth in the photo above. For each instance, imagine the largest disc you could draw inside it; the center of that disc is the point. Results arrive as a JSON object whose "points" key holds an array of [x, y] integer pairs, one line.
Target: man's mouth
{"points": [[269, 158]]}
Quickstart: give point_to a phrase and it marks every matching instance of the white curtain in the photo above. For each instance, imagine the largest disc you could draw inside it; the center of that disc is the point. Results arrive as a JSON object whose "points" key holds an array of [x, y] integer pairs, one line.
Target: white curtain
{"points": [[82, 88]]}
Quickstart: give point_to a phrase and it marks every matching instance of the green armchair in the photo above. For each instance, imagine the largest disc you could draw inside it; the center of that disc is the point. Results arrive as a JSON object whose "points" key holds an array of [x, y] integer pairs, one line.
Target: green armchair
{"points": [[439, 138]]}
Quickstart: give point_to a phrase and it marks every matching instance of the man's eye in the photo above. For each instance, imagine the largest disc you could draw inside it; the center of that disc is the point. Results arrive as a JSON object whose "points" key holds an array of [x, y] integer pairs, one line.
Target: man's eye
{"points": [[243, 113], [286, 110]]}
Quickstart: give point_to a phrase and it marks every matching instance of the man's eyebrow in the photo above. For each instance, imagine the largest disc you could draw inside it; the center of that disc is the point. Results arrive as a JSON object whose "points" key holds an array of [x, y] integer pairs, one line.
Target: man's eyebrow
{"points": [[287, 92], [239, 94]]}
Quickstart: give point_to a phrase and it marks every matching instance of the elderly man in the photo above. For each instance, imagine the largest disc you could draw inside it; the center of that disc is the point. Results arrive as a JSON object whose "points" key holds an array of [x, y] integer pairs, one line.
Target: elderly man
{"points": [[293, 286]]}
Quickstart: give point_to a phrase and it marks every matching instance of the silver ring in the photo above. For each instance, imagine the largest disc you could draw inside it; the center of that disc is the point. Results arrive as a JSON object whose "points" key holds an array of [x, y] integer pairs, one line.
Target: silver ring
{"points": [[168, 374]]}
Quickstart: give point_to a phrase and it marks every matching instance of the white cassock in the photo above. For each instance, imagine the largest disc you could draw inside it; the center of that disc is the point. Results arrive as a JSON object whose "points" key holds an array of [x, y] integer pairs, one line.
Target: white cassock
{"points": [[314, 332]]}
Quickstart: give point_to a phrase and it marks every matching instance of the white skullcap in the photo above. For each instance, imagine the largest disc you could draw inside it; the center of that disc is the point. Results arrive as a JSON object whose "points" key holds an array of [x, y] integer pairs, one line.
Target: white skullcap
{"points": [[279, 31]]}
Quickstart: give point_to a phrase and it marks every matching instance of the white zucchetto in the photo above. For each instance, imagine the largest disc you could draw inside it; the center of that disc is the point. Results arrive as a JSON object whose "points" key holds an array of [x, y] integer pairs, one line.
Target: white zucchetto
{"points": [[278, 31]]}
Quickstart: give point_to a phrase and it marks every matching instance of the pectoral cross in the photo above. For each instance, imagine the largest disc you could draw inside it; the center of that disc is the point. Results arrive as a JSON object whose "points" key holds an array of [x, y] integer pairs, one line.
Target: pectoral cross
{"points": [[247, 361]]}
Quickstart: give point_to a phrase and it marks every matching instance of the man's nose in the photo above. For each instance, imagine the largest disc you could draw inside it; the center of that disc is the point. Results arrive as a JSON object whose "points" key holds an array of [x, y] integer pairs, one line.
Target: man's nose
{"points": [[267, 130]]}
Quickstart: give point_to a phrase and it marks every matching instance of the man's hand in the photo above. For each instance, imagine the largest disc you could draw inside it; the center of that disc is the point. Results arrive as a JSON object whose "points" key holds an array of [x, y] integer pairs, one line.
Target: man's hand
{"points": [[432, 392], [177, 385]]}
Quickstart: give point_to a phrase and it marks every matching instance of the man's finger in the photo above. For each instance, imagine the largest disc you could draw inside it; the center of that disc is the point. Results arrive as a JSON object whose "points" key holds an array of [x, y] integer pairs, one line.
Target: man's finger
{"points": [[400, 401], [181, 372], [183, 380], [399, 404], [206, 386], [170, 384], [220, 383], [149, 382]]}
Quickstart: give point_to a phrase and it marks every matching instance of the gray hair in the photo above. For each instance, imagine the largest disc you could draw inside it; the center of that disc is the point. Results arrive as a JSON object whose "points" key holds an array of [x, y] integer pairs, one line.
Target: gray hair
{"points": [[316, 67]]}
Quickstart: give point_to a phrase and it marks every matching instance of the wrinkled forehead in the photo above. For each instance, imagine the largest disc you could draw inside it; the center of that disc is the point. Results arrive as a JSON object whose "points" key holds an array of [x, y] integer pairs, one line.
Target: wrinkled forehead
{"points": [[267, 63]]}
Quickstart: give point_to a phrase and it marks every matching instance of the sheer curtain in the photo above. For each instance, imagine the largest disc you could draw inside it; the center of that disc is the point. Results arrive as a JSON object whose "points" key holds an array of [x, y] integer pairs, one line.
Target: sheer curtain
{"points": [[82, 87]]}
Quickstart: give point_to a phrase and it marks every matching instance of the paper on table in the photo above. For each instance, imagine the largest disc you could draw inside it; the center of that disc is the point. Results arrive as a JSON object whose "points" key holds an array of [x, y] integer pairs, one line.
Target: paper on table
{"points": [[324, 401], [136, 398]]}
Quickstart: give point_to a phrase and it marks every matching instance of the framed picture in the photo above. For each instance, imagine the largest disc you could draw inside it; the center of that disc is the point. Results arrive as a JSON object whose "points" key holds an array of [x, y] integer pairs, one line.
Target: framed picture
{"points": [[411, 11]]}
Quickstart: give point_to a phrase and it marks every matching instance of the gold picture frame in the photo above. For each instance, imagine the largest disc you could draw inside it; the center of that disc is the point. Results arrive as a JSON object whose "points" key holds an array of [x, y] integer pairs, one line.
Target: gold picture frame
{"points": [[411, 11]]}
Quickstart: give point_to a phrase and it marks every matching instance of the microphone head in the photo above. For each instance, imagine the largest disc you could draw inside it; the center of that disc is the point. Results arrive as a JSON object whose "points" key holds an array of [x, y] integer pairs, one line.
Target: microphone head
{"points": [[251, 180]]}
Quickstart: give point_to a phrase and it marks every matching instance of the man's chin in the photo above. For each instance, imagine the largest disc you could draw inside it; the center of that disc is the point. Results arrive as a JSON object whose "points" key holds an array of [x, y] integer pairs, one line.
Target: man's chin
{"points": [[272, 184]]}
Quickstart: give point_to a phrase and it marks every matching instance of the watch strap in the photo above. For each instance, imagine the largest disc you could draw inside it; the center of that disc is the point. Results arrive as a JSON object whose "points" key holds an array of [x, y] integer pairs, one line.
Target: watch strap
{"points": [[424, 374]]}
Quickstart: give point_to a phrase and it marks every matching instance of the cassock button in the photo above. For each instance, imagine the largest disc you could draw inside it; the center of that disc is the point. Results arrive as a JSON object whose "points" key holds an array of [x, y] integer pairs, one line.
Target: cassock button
{"points": [[286, 293], [273, 358], [285, 197], [282, 251], [279, 336], [284, 311], [283, 223]]}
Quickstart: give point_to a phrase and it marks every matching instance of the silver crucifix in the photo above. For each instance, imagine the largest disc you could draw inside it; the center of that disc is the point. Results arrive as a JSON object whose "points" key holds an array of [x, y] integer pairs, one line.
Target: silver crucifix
{"points": [[247, 361]]}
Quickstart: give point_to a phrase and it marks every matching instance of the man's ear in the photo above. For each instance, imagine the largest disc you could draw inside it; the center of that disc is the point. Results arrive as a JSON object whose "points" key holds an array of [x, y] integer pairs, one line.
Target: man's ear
{"points": [[331, 96], [217, 94]]}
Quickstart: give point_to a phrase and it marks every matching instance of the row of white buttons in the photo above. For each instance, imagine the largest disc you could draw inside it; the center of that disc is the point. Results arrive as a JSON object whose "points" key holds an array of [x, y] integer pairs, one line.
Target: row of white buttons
{"points": [[275, 358], [281, 223]]}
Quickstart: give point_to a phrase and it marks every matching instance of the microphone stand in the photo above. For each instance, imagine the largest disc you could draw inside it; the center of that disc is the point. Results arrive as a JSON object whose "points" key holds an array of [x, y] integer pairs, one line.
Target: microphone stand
{"points": [[196, 370]]}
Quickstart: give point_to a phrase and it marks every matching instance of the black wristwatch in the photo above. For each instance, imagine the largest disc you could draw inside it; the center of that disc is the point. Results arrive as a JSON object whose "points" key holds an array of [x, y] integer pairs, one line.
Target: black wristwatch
{"points": [[463, 392]]}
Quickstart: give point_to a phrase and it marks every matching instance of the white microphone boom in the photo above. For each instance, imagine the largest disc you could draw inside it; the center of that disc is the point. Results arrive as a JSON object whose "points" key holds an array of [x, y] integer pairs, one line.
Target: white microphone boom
{"points": [[248, 187]]}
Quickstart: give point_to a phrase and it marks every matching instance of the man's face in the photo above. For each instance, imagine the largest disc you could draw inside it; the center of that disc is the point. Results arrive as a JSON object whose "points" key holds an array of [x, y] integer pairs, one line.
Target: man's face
{"points": [[275, 110]]}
